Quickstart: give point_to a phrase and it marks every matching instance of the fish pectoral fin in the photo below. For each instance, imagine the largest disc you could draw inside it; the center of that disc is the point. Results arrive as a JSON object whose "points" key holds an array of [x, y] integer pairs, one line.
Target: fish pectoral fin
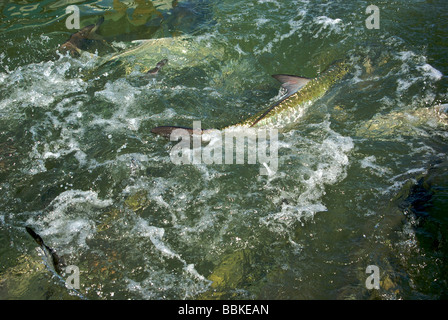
{"points": [[291, 83]]}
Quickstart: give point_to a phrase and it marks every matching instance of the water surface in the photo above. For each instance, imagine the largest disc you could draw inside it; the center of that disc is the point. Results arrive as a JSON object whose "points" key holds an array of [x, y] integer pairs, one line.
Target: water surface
{"points": [[361, 178]]}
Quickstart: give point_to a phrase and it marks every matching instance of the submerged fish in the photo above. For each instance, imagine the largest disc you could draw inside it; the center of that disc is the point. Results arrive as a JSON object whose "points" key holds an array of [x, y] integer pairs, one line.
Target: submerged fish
{"points": [[300, 92], [79, 40], [404, 123], [182, 52]]}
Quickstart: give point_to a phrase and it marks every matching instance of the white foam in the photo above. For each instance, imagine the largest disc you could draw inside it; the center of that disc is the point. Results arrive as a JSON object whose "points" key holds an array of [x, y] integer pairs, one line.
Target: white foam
{"points": [[133, 123], [156, 234], [406, 55], [443, 108], [414, 69], [119, 92], [326, 21], [42, 149], [261, 21], [404, 84], [68, 219], [325, 160], [369, 162], [269, 1], [3, 77], [239, 50], [431, 72], [295, 26], [119, 45], [160, 283], [45, 81], [398, 181], [166, 114], [333, 25]]}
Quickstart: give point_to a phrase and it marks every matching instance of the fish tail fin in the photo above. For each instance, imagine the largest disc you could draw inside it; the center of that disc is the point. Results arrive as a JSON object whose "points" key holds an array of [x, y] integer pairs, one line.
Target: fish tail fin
{"points": [[158, 67], [50, 253], [35, 236]]}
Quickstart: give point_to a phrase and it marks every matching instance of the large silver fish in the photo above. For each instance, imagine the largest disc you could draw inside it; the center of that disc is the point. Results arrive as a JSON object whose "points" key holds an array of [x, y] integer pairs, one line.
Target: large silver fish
{"points": [[299, 93], [143, 55]]}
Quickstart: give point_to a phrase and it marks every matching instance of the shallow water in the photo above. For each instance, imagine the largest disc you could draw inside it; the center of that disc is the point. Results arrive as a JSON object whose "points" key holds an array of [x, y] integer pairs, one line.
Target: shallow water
{"points": [[361, 177]]}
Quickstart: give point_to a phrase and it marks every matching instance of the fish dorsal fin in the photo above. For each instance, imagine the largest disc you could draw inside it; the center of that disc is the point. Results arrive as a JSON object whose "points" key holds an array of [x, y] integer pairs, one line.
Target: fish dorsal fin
{"points": [[292, 84]]}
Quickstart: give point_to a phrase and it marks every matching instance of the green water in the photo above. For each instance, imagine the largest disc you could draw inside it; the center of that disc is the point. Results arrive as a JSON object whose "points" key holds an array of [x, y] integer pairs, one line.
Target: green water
{"points": [[362, 176]]}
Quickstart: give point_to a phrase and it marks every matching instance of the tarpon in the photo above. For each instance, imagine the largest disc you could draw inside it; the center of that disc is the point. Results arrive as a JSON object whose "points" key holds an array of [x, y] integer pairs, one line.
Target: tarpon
{"points": [[404, 123], [299, 92], [79, 40], [142, 55]]}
